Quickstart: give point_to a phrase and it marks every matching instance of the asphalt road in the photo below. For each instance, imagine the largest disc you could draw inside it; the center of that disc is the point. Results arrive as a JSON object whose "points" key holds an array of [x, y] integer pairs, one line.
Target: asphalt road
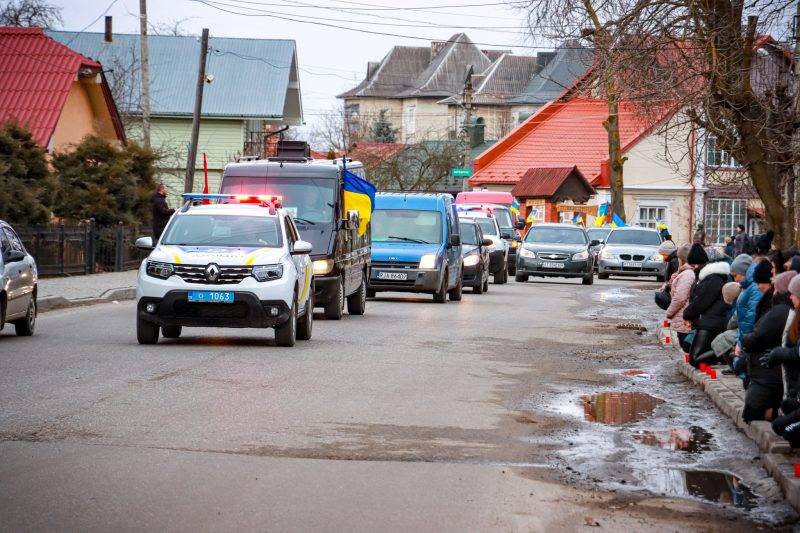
{"points": [[408, 418]]}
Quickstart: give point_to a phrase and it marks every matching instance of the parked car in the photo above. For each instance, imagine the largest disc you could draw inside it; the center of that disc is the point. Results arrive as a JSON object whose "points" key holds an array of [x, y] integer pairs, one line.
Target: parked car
{"points": [[226, 265], [18, 283], [597, 234], [556, 250], [498, 250], [312, 192], [475, 252], [416, 245], [632, 251]]}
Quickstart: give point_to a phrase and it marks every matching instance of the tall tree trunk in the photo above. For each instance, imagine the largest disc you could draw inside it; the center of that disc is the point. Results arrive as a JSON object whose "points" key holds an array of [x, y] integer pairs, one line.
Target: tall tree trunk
{"points": [[615, 158]]}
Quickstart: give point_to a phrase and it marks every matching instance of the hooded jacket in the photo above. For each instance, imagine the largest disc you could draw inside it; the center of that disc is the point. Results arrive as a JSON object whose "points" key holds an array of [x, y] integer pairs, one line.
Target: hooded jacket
{"points": [[706, 309], [680, 290], [747, 304], [767, 334]]}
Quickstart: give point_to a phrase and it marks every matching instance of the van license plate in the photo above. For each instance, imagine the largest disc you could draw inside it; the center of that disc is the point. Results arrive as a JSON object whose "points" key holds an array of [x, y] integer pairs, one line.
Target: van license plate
{"points": [[399, 276], [547, 264], [217, 297], [629, 264]]}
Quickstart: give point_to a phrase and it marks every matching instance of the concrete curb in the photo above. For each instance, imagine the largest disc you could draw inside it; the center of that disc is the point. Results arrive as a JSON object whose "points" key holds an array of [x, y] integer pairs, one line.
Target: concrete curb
{"points": [[51, 303], [777, 456]]}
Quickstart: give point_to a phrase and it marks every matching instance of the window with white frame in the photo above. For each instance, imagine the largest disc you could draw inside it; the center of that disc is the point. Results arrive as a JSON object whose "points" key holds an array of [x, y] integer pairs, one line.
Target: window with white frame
{"points": [[651, 215], [717, 157], [410, 123], [722, 216]]}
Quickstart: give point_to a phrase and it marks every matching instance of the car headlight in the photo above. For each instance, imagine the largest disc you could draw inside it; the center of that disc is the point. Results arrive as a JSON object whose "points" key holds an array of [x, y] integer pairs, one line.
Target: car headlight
{"points": [[658, 257], [514, 244], [159, 270], [581, 256], [322, 266], [428, 261], [528, 254], [605, 254], [267, 272], [472, 260]]}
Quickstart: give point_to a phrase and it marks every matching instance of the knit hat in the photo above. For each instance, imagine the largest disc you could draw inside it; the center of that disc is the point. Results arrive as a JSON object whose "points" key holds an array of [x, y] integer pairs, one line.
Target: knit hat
{"points": [[667, 247], [795, 264], [794, 286], [683, 251], [741, 263], [782, 281], [730, 292], [764, 242], [763, 272], [697, 255]]}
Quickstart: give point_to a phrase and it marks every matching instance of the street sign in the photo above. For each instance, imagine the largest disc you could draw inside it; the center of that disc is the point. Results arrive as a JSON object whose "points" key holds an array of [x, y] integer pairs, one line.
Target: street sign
{"points": [[457, 172]]}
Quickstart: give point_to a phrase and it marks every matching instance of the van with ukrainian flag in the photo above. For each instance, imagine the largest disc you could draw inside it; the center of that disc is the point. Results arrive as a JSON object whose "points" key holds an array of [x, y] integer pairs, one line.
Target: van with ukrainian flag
{"points": [[331, 203]]}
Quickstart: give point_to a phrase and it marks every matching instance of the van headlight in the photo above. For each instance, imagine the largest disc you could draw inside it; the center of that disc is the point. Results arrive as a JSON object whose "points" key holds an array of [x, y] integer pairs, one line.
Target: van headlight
{"points": [[472, 260], [428, 261], [159, 270], [581, 256], [527, 254], [322, 266], [267, 272]]}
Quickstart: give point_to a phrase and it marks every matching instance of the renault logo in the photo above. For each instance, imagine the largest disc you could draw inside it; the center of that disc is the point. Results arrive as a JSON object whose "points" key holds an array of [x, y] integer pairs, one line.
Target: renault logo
{"points": [[212, 273]]}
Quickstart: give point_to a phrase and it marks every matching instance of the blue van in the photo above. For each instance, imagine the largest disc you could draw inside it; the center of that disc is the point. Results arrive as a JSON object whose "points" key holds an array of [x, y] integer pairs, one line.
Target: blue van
{"points": [[416, 245]]}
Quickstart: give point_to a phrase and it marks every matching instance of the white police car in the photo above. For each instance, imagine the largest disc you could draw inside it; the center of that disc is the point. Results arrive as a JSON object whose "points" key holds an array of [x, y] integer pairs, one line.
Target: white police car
{"points": [[235, 264]]}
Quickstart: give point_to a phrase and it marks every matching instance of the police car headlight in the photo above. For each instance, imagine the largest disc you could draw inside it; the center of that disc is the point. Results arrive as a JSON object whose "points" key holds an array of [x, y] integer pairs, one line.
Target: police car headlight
{"points": [[428, 261], [472, 260], [581, 256], [528, 254], [267, 272], [322, 266], [159, 270]]}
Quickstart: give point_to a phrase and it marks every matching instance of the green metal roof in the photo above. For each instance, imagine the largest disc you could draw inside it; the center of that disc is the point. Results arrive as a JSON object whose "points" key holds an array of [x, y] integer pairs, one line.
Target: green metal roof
{"points": [[251, 76]]}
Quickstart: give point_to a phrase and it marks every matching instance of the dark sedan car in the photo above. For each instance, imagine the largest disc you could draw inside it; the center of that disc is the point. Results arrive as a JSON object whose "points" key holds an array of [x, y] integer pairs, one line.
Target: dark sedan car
{"points": [[556, 250], [475, 252]]}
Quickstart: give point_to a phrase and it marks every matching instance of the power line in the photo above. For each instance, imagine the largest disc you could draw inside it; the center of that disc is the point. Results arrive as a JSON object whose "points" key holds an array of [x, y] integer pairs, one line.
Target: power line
{"points": [[92, 22]]}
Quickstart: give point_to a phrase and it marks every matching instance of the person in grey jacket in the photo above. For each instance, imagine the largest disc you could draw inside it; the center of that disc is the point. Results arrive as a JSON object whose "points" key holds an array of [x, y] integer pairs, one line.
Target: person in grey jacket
{"points": [[740, 241]]}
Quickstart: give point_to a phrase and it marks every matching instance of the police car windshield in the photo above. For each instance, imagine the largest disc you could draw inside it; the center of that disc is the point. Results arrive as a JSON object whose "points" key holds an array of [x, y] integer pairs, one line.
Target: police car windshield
{"points": [[647, 238], [235, 231], [406, 225], [309, 200], [555, 235]]}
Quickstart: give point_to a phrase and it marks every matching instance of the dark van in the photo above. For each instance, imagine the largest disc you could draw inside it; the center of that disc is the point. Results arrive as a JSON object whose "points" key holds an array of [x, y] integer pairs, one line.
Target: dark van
{"points": [[311, 190]]}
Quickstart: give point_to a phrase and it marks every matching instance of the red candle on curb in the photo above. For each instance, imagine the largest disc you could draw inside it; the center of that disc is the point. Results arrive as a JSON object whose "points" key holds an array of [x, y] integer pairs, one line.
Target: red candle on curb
{"points": [[686, 357], [703, 367], [666, 340], [712, 373], [797, 470], [666, 323]]}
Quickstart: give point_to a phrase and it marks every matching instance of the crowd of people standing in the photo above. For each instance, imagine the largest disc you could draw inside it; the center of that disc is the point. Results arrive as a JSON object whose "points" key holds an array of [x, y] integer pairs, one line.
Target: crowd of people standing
{"points": [[740, 306]]}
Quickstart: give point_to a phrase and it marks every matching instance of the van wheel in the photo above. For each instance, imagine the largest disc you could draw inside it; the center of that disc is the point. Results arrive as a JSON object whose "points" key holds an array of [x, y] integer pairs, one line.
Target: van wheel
{"points": [[440, 296], [27, 325], [305, 324], [455, 292], [286, 333], [146, 333], [171, 332], [357, 302], [335, 308], [521, 278], [501, 277]]}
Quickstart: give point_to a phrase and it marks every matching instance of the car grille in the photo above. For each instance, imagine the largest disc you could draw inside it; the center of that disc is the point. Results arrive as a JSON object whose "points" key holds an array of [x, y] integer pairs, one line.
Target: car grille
{"points": [[629, 257], [184, 309], [397, 264], [554, 256], [228, 275]]}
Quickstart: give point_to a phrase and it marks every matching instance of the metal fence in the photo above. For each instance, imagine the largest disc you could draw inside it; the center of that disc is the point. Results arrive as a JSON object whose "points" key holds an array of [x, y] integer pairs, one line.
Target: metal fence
{"points": [[63, 249]]}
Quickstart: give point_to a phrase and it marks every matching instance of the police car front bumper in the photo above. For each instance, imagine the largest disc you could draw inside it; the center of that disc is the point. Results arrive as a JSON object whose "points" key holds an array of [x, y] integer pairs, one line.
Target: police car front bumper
{"points": [[246, 311]]}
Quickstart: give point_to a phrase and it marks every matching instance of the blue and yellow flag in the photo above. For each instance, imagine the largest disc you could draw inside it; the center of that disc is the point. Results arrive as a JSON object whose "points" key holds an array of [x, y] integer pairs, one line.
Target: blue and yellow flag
{"points": [[617, 222], [359, 195], [577, 219], [514, 207], [602, 211]]}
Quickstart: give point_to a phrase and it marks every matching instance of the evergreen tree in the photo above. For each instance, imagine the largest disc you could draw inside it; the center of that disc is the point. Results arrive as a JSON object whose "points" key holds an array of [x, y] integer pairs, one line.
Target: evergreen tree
{"points": [[25, 183], [382, 131]]}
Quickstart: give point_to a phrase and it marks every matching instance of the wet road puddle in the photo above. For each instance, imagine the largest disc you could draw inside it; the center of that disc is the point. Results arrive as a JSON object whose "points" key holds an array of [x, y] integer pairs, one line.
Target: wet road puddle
{"points": [[691, 440], [635, 373], [711, 485], [616, 408]]}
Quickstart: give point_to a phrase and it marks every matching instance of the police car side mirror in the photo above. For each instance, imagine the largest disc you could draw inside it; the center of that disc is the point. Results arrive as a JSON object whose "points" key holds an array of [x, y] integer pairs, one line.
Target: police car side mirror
{"points": [[144, 243], [455, 240], [301, 248], [519, 224]]}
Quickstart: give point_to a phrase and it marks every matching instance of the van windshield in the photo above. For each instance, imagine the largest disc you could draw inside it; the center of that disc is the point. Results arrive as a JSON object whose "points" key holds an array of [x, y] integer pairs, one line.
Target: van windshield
{"points": [[309, 200], [406, 225], [503, 217]]}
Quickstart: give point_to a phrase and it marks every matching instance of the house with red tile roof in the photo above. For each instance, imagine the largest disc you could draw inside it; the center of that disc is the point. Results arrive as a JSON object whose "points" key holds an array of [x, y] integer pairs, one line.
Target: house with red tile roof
{"points": [[568, 132], [58, 94]]}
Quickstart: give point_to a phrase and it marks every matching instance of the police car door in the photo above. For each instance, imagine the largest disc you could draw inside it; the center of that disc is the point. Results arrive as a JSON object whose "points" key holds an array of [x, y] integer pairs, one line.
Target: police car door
{"points": [[302, 263]]}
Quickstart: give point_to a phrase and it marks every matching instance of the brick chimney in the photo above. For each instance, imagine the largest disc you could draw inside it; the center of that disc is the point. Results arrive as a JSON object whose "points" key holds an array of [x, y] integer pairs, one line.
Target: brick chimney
{"points": [[372, 68], [436, 48], [109, 34]]}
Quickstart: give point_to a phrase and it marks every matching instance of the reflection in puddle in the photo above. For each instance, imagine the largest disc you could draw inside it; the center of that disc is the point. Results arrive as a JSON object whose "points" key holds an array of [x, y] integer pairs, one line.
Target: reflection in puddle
{"points": [[711, 485], [692, 440], [618, 407]]}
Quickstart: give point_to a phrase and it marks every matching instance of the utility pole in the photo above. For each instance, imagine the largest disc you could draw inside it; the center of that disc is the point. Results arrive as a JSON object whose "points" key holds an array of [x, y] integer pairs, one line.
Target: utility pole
{"points": [[188, 184], [144, 61], [468, 89]]}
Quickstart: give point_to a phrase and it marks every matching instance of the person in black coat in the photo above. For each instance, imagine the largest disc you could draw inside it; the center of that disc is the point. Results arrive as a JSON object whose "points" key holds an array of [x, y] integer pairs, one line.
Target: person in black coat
{"points": [[161, 211], [764, 383], [707, 310]]}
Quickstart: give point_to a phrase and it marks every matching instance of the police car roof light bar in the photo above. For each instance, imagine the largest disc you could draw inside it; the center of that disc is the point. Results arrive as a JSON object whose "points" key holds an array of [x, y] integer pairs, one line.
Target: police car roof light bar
{"points": [[264, 200]]}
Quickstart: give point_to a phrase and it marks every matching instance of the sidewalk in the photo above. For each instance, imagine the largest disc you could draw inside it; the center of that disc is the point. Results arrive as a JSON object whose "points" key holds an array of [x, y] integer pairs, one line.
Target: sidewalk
{"points": [[56, 293]]}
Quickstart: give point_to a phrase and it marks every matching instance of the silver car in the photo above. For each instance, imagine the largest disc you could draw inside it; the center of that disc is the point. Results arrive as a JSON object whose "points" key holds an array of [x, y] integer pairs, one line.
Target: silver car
{"points": [[18, 279], [632, 251]]}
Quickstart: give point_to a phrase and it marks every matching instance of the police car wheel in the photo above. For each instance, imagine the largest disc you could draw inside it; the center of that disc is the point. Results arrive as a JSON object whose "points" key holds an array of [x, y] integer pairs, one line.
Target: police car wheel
{"points": [[357, 302], [335, 308], [305, 324], [171, 332], [286, 333], [146, 333], [501, 277]]}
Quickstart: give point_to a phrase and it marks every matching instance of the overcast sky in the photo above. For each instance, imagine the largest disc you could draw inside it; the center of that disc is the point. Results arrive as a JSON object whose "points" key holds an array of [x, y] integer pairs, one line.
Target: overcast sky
{"points": [[333, 59]]}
